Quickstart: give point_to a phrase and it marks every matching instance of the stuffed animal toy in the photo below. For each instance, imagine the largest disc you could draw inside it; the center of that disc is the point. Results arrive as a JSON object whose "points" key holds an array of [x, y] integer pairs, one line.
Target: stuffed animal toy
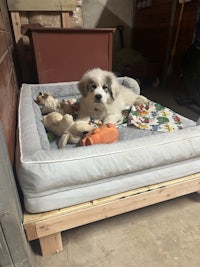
{"points": [[49, 104], [104, 134], [64, 127]]}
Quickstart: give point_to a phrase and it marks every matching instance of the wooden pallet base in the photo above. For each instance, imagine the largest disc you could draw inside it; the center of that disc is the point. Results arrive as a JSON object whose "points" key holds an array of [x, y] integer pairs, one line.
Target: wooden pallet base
{"points": [[47, 227]]}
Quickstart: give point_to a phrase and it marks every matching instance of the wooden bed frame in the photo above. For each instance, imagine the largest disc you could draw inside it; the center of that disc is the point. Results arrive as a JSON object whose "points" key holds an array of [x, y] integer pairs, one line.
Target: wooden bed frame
{"points": [[47, 227]]}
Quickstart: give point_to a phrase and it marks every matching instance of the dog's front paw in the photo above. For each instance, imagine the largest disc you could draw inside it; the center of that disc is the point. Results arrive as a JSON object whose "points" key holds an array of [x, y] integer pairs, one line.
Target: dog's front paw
{"points": [[141, 100]]}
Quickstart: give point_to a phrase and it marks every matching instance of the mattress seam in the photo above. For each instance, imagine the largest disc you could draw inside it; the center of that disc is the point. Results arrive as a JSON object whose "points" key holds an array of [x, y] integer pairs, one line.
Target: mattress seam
{"points": [[100, 155]]}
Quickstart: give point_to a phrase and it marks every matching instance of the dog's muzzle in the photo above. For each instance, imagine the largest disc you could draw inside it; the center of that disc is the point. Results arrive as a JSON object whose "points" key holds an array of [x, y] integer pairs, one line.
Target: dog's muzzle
{"points": [[98, 97]]}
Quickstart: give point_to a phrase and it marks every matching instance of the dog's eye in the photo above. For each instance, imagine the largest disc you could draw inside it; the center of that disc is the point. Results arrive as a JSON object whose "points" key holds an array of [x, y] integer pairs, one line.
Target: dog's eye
{"points": [[105, 87], [94, 86]]}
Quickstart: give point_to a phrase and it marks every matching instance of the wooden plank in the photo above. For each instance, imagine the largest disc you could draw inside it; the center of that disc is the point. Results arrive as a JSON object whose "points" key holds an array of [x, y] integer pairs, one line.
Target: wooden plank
{"points": [[66, 22], [31, 232], [145, 189], [32, 218], [9, 95], [2, 26], [16, 22], [44, 5], [51, 244], [3, 46], [114, 207]]}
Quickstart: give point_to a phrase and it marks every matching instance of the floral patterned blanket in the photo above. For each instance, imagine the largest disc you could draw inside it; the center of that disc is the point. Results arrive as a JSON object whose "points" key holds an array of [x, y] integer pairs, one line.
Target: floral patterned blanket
{"points": [[151, 116], [154, 117]]}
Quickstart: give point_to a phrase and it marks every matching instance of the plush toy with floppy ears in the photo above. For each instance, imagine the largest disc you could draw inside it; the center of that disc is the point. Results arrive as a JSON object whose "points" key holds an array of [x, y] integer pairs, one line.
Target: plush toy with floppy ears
{"points": [[64, 127], [49, 104]]}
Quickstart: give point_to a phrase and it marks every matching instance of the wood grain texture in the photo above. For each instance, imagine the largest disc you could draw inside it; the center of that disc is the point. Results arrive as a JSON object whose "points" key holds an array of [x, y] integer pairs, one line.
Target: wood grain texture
{"points": [[8, 84], [65, 219], [51, 244], [44, 5]]}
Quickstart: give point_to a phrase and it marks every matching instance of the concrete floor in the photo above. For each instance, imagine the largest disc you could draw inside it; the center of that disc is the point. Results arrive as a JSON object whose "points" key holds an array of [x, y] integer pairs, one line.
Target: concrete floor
{"points": [[165, 234]]}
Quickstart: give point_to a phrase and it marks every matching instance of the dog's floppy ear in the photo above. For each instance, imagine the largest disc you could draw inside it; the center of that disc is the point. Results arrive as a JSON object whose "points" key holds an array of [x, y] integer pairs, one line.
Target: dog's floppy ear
{"points": [[82, 86], [113, 87]]}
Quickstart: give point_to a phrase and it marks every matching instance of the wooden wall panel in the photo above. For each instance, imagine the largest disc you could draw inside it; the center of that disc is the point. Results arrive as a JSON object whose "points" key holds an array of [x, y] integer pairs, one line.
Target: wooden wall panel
{"points": [[3, 46], [45, 5], [152, 26], [8, 84], [25, 14], [1, 22], [186, 34]]}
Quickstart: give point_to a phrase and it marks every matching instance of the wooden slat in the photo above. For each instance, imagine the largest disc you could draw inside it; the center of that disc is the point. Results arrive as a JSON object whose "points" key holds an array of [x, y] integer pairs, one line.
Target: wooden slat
{"points": [[111, 206], [2, 26], [32, 218], [51, 244], [66, 22], [3, 46], [44, 5], [15, 17]]}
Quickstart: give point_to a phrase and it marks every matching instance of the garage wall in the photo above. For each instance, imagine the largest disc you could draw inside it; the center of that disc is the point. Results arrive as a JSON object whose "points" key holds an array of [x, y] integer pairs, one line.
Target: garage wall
{"points": [[110, 13], [147, 26], [153, 25], [8, 84]]}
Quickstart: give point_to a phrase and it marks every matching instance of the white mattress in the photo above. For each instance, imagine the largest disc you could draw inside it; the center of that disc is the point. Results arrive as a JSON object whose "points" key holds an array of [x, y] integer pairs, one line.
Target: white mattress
{"points": [[51, 178]]}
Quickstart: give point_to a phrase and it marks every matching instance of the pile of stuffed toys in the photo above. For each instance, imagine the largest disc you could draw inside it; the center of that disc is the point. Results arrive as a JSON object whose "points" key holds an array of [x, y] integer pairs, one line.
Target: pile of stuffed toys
{"points": [[57, 119]]}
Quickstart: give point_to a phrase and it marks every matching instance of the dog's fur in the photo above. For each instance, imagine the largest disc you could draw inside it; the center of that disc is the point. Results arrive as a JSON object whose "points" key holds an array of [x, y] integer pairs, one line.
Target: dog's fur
{"points": [[104, 98]]}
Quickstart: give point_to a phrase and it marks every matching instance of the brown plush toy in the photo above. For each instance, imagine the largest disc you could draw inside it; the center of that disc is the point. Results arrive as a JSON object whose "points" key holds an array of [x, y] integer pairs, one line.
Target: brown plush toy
{"points": [[65, 127], [49, 104]]}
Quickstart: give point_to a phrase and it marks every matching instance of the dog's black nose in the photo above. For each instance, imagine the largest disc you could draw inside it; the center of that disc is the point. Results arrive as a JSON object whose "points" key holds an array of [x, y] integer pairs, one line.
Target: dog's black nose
{"points": [[98, 97]]}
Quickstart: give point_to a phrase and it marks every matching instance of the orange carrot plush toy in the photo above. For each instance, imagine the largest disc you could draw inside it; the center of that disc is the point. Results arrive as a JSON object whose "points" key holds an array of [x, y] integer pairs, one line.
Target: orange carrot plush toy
{"points": [[104, 134]]}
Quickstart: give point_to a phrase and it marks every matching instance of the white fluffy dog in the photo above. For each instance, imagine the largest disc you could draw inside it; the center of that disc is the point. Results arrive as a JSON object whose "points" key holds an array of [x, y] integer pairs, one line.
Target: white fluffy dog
{"points": [[104, 97]]}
